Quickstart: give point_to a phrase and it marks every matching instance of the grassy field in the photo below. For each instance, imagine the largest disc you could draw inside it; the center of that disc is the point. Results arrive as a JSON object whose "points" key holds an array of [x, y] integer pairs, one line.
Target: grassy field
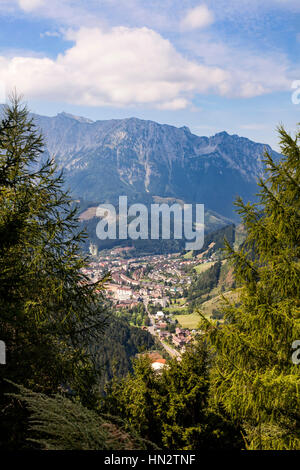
{"points": [[200, 268], [188, 255], [217, 302], [190, 321], [180, 301], [177, 308]]}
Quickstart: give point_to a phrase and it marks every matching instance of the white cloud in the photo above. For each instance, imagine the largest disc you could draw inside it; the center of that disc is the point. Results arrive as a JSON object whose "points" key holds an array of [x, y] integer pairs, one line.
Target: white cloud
{"points": [[30, 5], [137, 66], [66, 13], [51, 34], [252, 72], [197, 18], [2, 92], [177, 103], [119, 67]]}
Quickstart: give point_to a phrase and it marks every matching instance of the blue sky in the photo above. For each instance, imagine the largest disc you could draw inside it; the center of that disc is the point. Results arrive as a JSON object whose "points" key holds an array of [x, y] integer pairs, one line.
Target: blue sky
{"points": [[213, 66]]}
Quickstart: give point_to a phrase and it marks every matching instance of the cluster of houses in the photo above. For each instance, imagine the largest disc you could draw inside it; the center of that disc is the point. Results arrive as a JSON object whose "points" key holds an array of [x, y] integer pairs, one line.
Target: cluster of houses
{"points": [[127, 290], [124, 295], [180, 338], [151, 280]]}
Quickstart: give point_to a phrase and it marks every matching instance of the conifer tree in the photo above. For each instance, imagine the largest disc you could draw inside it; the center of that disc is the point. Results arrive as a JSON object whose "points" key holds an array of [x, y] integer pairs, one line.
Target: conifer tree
{"points": [[254, 377], [171, 408], [61, 423], [49, 311]]}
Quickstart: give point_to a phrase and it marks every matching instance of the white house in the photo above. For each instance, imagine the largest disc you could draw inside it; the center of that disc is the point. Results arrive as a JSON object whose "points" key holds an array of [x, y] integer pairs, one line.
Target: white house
{"points": [[160, 315]]}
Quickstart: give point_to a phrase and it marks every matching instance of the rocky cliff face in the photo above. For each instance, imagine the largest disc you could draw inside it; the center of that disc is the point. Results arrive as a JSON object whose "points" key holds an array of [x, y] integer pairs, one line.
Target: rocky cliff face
{"points": [[142, 159]]}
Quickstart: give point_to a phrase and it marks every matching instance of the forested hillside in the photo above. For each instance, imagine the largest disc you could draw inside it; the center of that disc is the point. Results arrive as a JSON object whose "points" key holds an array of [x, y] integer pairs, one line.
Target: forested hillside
{"points": [[216, 227], [119, 345]]}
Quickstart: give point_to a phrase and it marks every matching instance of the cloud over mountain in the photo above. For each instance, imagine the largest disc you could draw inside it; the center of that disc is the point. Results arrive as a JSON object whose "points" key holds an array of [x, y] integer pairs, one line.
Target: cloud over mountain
{"points": [[125, 66], [122, 66]]}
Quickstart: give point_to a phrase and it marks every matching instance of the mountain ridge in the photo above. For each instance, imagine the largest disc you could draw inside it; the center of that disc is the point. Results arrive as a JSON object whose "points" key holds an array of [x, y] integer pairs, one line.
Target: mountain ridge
{"points": [[142, 158]]}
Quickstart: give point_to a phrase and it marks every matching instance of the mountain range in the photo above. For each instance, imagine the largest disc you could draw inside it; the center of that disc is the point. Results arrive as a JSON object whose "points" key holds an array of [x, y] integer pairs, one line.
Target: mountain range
{"points": [[147, 161]]}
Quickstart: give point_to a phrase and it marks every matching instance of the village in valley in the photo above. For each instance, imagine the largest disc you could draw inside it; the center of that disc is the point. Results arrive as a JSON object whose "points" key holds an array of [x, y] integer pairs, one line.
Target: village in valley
{"points": [[151, 291]]}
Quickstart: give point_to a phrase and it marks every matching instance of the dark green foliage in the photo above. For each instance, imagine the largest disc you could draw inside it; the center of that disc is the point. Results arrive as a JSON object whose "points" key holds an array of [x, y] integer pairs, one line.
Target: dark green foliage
{"points": [[61, 423], [49, 312], [254, 377], [136, 315], [217, 238], [171, 408], [202, 284], [119, 345]]}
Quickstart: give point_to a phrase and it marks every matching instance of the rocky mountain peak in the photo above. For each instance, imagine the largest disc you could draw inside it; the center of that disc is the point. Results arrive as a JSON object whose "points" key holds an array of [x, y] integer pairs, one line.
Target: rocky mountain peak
{"points": [[143, 159]]}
